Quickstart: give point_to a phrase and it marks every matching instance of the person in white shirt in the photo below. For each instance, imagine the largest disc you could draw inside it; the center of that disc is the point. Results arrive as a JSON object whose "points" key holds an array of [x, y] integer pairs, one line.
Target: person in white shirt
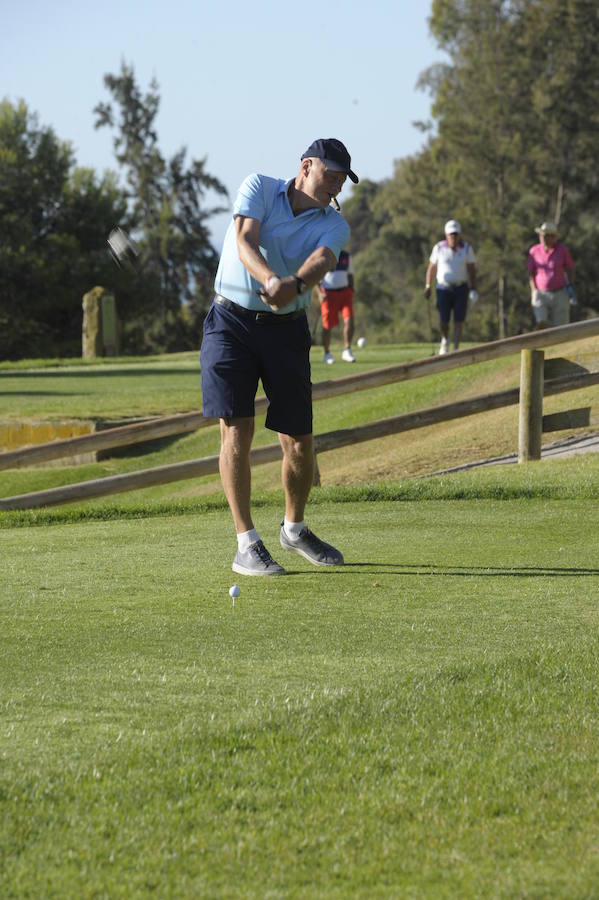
{"points": [[453, 263]]}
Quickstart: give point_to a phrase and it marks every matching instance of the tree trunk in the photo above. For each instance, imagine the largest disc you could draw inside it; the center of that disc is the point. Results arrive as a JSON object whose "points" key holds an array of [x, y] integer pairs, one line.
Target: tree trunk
{"points": [[501, 305], [559, 202], [501, 279]]}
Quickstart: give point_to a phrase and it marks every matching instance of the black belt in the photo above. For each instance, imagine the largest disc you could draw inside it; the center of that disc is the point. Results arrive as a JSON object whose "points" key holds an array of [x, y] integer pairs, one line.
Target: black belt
{"points": [[264, 318]]}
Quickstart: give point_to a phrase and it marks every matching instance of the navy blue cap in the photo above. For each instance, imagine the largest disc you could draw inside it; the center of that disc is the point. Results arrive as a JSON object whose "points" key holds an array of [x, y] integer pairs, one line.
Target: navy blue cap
{"points": [[334, 154]]}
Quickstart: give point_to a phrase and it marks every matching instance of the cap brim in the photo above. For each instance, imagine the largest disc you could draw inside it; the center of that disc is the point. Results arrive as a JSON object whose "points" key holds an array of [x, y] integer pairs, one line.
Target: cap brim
{"points": [[339, 167]]}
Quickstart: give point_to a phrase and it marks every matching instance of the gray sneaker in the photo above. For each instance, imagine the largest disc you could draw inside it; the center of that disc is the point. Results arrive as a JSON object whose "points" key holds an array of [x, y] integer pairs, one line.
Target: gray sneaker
{"points": [[256, 560], [318, 552]]}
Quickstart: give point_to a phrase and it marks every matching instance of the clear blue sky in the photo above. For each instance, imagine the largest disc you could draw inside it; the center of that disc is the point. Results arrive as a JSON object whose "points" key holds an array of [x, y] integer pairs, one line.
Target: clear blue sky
{"points": [[247, 85]]}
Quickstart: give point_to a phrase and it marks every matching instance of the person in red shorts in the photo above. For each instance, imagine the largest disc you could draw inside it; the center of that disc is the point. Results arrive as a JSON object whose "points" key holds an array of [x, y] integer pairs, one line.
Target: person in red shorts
{"points": [[337, 296]]}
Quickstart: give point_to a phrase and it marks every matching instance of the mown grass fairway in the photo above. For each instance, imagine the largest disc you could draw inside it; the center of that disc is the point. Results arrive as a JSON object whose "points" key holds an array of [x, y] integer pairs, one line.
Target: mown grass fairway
{"points": [[421, 722]]}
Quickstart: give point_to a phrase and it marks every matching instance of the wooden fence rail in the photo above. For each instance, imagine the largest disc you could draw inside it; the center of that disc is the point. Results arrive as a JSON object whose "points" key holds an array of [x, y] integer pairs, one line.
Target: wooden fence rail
{"points": [[186, 422], [331, 440]]}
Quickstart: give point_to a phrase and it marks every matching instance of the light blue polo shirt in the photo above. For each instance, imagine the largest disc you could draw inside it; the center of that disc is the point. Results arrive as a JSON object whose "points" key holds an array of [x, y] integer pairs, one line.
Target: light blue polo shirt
{"points": [[286, 241]]}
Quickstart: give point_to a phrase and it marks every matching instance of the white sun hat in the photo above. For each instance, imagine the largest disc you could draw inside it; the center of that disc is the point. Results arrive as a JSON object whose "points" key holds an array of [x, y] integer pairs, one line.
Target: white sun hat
{"points": [[452, 227]]}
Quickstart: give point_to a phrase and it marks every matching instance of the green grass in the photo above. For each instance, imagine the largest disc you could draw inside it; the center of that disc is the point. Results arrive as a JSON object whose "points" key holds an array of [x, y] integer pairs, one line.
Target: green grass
{"points": [[119, 388], [573, 478], [108, 390], [173, 385], [422, 722]]}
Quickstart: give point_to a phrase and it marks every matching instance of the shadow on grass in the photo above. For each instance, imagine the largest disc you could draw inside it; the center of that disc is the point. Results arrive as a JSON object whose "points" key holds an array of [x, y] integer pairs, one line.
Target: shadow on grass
{"points": [[114, 371], [18, 393], [420, 569]]}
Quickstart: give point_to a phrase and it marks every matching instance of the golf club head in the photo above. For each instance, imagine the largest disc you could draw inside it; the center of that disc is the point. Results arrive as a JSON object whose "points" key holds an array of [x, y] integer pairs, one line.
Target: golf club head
{"points": [[123, 248]]}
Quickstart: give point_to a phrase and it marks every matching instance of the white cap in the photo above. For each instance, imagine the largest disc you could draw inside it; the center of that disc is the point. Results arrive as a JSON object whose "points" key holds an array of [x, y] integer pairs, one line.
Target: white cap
{"points": [[452, 227]]}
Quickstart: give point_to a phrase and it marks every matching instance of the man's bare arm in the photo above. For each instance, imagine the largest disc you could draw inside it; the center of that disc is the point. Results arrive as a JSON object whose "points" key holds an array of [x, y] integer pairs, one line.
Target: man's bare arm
{"points": [[247, 232], [431, 271], [472, 275], [279, 292], [313, 270]]}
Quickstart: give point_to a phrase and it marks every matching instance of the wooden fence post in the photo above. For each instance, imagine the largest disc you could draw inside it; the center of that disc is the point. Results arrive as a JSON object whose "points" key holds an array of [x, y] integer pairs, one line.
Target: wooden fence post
{"points": [[531, 405]]}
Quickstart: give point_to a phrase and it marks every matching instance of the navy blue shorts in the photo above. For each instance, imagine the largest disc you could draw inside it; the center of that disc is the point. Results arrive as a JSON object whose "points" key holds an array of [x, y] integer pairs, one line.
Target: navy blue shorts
{"points": [[452, 298], [239, 351]]}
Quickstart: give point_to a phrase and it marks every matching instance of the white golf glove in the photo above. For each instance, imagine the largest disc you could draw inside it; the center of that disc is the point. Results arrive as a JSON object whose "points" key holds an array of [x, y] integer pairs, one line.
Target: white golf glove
{"points": [[473, 296]]}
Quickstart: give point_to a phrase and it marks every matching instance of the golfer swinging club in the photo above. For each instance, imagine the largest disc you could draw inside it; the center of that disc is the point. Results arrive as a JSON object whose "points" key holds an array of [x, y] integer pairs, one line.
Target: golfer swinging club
{"points": [[283, 238]]}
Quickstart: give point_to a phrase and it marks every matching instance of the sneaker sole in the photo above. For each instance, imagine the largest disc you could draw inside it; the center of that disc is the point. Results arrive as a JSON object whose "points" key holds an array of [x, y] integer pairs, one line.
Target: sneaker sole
{"points": [[315, 562], [241, 570]]}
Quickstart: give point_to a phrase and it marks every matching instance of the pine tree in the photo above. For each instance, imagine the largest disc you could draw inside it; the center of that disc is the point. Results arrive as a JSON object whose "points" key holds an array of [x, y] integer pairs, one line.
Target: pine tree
{"points": [[168, 216]]}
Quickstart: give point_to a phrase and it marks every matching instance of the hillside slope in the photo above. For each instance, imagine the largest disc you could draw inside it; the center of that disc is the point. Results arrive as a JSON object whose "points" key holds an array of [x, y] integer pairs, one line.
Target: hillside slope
{"points": [[415, 453]]}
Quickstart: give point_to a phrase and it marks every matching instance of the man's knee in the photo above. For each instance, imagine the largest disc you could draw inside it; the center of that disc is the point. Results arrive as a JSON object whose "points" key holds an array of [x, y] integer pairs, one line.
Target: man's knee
{"points": [[236, 433], [297, 448]]}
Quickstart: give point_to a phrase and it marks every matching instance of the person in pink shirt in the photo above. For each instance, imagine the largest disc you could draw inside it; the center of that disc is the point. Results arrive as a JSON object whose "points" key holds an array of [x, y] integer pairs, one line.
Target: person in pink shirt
{"points": [[550, 272]]}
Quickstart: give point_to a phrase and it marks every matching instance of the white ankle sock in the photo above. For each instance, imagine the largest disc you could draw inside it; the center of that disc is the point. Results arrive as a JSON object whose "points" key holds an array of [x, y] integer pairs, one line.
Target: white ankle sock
{"points": [[245, 538], [293, 529]]}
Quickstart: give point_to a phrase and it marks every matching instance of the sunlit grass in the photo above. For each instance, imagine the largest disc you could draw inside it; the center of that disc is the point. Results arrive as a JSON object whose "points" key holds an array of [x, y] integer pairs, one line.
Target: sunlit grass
{"points": [[421, 722]]}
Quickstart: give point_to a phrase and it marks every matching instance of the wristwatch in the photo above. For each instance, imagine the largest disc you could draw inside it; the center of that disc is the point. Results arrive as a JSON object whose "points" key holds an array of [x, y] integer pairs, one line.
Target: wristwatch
{"points": [[301, 285]]}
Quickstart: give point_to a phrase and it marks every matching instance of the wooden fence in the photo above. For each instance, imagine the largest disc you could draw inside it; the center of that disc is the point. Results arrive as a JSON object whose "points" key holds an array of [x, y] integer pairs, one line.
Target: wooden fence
{"points": [[530, 394]]}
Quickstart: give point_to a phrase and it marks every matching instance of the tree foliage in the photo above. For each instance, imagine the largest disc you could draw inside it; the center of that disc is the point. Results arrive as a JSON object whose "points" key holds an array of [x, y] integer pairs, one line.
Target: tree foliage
{"points": [[54, 218], [166, 212], [516, 132]]}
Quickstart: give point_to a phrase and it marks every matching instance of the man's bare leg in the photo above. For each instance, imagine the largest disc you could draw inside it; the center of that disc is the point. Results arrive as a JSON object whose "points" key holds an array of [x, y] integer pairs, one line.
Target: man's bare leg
{"points": [[348, 331], [297, 473], [234, 466], [458, 328], [252, 557]]}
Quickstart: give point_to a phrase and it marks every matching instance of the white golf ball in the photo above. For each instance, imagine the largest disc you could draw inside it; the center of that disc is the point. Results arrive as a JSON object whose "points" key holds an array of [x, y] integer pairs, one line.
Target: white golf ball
{"points": [[234, 591], [361, 342]]}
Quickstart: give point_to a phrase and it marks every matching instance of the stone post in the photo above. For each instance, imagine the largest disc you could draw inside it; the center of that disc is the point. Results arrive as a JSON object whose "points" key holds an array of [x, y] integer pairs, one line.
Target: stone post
{"points": [[100, 331]]}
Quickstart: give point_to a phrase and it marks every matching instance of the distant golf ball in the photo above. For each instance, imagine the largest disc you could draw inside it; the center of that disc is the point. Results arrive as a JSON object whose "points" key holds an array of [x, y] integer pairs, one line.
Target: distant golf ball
{"points": [[362, 342], [234, 591]]}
